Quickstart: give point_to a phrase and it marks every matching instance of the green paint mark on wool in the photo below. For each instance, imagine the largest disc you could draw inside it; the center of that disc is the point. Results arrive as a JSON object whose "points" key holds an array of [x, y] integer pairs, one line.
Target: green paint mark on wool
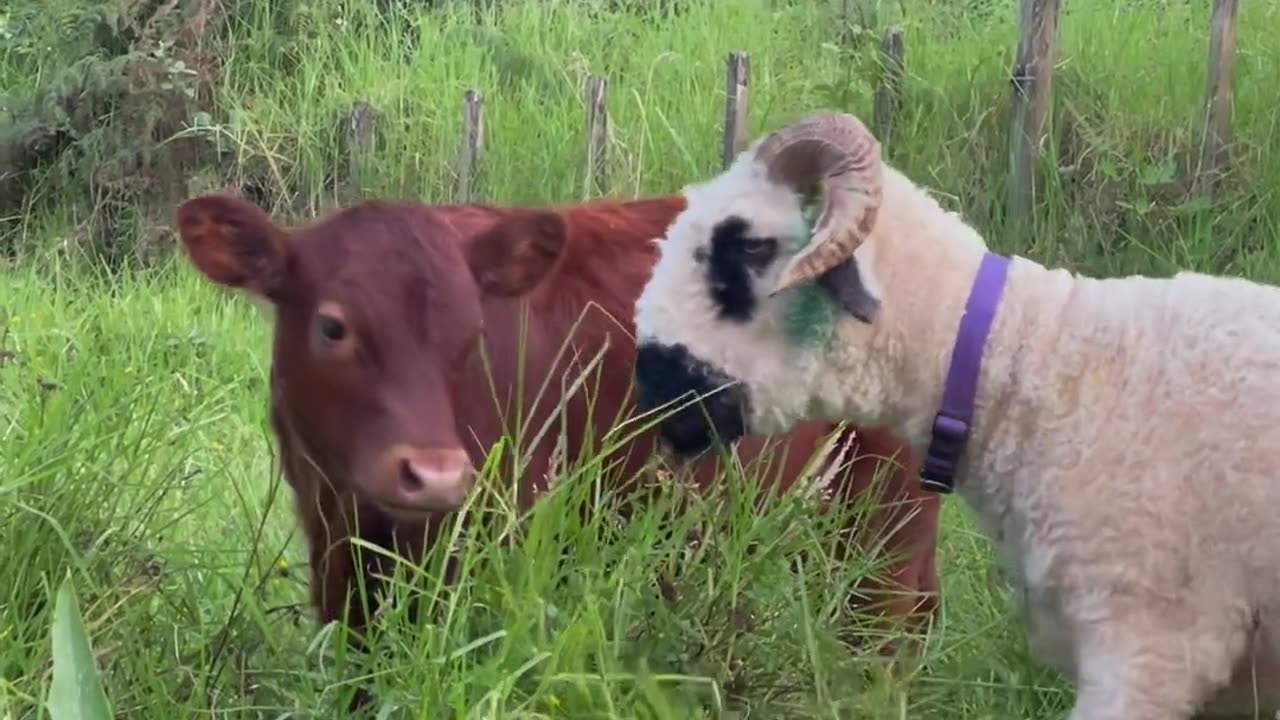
{"points": [[809, 317], [808, 313]]}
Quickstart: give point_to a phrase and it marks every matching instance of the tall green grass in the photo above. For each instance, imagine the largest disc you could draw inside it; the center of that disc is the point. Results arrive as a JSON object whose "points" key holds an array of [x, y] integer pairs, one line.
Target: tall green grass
{"points": [[1127, 120], [137, 458], [135, 455]]}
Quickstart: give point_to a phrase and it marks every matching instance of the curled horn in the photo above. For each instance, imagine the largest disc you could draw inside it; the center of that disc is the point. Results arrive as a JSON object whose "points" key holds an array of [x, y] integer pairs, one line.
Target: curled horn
{"points": [[834, 152]]}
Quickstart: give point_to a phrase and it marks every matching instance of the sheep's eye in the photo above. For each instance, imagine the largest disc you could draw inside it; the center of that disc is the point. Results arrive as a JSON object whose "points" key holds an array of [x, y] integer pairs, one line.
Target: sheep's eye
{"points": [[759, 247], [332, 328]]}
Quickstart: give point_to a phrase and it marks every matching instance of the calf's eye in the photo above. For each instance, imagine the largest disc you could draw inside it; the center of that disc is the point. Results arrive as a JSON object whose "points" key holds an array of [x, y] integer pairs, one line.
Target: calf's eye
{"points": [[331, 328]]}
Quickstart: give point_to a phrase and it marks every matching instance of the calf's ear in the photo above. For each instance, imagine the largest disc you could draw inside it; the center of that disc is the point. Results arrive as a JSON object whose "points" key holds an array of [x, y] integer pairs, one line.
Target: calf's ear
{"points": [[518, 252], [234, 243]]}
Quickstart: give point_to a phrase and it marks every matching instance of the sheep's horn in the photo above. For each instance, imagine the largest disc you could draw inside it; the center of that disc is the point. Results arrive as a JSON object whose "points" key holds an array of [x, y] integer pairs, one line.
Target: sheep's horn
{"points": [[836, 152]]}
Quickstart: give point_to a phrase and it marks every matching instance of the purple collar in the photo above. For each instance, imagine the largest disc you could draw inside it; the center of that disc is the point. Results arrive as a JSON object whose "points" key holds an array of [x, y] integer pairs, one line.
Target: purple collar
{"points": [[951, 426]]}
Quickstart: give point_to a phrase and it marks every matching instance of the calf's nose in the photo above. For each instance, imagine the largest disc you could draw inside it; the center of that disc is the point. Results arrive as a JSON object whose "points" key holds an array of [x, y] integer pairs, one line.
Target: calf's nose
{"points": [[431, 480]]}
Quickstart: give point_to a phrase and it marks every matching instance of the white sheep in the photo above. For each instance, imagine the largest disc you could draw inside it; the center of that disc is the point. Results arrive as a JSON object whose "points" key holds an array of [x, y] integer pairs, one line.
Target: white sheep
{"points": [[1123, 444]]}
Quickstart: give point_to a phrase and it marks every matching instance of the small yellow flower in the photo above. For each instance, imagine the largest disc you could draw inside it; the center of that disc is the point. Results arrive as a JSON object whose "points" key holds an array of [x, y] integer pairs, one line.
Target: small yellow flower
{"points": [[16, 320]]}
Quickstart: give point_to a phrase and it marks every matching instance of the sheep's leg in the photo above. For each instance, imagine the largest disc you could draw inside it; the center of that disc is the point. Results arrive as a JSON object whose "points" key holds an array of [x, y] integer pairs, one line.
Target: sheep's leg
{"points": [[1145, 675], [1118, 687]]}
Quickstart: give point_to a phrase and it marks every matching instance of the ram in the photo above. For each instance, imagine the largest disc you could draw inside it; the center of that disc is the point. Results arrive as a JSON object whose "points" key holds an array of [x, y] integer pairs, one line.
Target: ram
{"points": [[1118, 439]]}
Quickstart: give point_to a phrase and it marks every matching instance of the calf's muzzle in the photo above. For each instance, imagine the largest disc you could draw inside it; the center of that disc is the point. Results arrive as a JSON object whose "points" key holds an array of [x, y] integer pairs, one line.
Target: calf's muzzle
{"points": [[411, 479]]}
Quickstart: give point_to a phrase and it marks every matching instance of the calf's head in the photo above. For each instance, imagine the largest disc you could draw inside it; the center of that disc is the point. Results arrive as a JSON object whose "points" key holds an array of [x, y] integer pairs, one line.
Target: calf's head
{"points": [[743, 306], [377, 312]]}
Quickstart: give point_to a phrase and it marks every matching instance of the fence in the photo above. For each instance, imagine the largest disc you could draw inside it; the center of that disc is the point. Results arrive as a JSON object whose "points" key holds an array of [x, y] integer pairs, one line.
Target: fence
{"points": [[1032, 89]]}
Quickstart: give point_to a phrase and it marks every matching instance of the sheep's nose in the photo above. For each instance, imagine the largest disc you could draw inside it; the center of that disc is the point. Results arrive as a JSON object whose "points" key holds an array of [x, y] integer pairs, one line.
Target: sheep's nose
{"points": [[669, 378]]}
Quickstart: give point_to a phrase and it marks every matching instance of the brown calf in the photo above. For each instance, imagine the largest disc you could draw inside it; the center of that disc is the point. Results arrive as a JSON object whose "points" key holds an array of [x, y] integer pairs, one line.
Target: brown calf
{"points": [[382, 402]]}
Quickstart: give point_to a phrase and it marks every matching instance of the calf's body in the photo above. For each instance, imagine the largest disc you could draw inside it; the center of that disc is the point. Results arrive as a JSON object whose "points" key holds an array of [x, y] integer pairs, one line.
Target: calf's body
{"points": [[397, 344]]}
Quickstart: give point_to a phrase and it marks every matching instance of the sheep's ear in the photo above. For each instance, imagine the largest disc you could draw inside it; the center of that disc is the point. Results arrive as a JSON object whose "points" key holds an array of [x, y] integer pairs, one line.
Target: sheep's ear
{"points": [[852, 289], [850, 283]]}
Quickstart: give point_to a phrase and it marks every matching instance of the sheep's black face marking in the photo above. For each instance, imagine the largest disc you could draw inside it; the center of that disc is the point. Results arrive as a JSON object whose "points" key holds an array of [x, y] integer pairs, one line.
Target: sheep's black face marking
{"points": [[734, 257], [668, 374]]}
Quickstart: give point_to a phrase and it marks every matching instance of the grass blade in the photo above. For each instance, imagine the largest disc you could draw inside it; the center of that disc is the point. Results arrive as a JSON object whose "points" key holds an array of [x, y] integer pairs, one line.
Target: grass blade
{"points": [[76, 690]]}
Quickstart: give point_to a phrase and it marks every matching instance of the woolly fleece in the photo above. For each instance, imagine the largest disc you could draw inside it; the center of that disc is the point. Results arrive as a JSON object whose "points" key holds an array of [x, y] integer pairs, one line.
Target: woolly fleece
{"points": [[1125, 455]]}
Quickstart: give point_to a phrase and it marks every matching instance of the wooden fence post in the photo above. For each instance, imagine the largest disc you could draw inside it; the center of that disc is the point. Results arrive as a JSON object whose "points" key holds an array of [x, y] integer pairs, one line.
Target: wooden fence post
{"points": [[736, 106], [889, 95], [850, 13], [471, 156], [362, 134], [1214, 155], [597, 180], [1032, 93]]}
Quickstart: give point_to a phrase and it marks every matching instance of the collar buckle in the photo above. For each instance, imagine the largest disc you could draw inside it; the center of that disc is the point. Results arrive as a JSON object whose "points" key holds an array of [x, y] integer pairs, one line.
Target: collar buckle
{"points": [[937, 472]]}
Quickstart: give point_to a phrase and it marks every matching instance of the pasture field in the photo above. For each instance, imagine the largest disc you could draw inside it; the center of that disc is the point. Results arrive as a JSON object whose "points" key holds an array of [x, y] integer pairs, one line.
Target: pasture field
{"points": [[135, 456]]}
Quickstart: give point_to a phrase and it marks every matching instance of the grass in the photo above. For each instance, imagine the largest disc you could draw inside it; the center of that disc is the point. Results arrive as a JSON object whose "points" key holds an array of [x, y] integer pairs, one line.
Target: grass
{"points": [[134, 449]]}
